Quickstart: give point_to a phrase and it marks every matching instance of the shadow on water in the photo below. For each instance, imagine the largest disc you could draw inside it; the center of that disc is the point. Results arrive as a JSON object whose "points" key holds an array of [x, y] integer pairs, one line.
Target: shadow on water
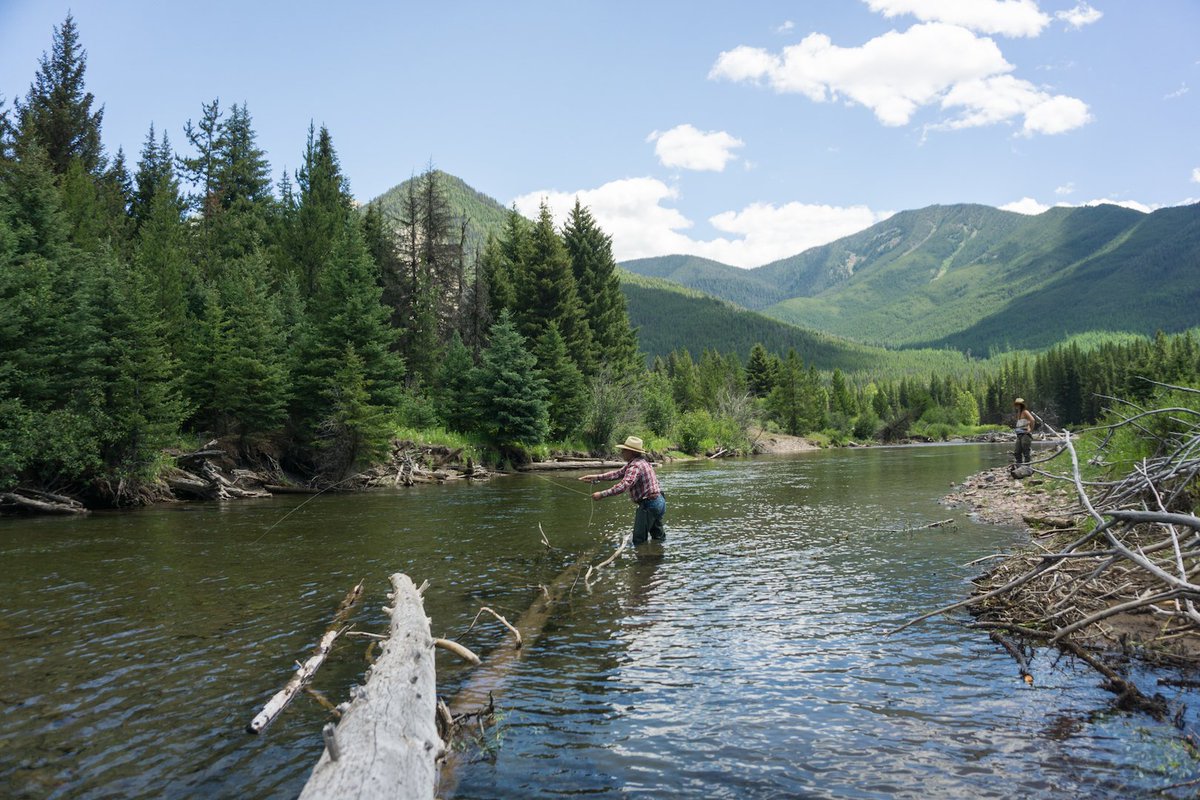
{"points": [[743, 658]]}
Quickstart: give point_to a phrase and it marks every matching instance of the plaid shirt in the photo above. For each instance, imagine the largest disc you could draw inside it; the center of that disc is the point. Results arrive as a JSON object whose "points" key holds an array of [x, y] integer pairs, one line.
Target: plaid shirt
{"points": [[637, 477]]}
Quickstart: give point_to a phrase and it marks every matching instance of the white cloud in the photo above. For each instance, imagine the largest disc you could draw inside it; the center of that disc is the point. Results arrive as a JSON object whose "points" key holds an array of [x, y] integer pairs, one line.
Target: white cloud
{"points": [[896, 74], [1065, 189], [1001, 98], [1082, 14], [1004, 17], [1180, 92], [1027, 205], [786, 27], [1196, 175], [686, 147], [632, 211]]}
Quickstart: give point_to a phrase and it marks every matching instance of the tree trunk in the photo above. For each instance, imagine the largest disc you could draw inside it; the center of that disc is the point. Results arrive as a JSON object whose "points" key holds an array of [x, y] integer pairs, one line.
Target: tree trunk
{"points": [[387, 742]]}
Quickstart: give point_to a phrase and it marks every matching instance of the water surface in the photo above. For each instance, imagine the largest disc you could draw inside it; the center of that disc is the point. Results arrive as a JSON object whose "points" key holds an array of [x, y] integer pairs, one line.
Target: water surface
{"points": [[744, 659]]}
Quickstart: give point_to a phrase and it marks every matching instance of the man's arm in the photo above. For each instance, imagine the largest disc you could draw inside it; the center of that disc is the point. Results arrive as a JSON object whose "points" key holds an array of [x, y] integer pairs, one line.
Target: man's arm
{"points": [[631, 470]]}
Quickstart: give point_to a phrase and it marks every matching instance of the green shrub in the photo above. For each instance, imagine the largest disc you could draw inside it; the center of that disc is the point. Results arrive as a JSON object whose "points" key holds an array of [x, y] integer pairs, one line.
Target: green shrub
{"points": [[694, 429]]}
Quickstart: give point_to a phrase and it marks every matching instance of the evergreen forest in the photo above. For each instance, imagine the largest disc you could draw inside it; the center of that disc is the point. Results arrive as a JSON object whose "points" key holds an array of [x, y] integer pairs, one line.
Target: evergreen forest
{"points": [[152, 303]]}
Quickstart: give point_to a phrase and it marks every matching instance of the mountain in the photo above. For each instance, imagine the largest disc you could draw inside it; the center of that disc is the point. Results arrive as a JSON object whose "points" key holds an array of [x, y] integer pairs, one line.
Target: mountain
{"points": [[672, 317], [737, 285], [484, 215], [975, 277]]}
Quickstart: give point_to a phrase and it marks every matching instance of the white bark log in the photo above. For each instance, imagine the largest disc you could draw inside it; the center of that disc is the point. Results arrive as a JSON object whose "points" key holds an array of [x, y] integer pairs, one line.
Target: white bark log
{"points": [[387, 739]]}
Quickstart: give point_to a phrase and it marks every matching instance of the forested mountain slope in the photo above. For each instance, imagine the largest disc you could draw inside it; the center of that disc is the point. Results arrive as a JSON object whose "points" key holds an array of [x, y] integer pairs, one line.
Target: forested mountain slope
{"points": [[741, 286], [483, 214], [672, 317], [975, 277]]}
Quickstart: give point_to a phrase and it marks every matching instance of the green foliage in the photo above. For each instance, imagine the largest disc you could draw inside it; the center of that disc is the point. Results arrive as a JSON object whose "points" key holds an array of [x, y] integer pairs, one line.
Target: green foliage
{"points": [[549, 294], [595, 270], [510, 395], [567, 390], [355, 430], [658, 404], [612, 410], [694, 430], [454, 386], [56, 115]]}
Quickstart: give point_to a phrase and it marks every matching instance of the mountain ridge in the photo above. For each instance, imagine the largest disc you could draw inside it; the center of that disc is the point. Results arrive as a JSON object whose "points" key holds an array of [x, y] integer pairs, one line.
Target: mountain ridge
{"points": [[970, 276]]}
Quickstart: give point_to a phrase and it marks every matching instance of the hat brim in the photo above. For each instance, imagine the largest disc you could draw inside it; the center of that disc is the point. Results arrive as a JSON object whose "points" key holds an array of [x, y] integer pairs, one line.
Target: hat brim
{"points": [[630, 449]]}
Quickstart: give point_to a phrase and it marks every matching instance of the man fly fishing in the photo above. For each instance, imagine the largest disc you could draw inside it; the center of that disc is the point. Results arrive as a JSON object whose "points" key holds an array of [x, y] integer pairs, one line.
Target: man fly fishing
{"points": [[638, 478]]}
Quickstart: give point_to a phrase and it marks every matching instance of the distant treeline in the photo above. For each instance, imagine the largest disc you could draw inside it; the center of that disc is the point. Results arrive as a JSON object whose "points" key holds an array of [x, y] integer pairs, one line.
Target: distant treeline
{"points": [[1067, 385]]}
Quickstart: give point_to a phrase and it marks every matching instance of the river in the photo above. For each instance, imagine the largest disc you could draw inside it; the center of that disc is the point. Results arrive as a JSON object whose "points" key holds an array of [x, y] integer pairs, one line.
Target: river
{"points": [[746, 658]]}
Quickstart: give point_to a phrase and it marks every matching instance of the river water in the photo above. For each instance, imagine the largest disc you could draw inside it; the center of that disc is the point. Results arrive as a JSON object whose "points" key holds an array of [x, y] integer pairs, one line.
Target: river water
{"points": [[746, 658]]}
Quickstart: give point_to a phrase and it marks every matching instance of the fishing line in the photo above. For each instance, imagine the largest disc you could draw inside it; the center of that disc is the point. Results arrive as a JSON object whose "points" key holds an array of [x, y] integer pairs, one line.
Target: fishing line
{"points": [[591, 514], [302, 505]]}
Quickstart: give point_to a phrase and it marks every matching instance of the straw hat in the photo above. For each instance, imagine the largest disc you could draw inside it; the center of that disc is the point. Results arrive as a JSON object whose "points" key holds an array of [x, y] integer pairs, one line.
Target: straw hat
{"points": [[1020, 401], [633, 443]]}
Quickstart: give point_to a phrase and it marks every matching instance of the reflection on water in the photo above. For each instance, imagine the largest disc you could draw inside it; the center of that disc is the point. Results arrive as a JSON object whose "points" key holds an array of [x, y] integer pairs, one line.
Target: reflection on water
{"points": [[743, 658]]}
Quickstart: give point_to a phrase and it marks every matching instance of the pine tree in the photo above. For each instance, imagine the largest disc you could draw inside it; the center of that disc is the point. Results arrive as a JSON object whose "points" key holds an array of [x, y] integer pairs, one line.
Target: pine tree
{"points": [[595, 270], [130, 379], [567, 388], [786, 399], [510, 395], [57, 114], [547, 293], [841, 400], [454, 387], [355, 429], [155, 171], [201, 170], [684, 386], [6, 133], [323, 212], [255, 379], [760, 371], [477, 312], [161, 258], [347, 311]]}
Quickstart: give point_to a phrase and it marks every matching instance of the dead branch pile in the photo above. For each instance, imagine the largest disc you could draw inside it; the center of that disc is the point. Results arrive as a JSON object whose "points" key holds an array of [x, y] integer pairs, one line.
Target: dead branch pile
{"points": [[1127, 578], [411, 463]]}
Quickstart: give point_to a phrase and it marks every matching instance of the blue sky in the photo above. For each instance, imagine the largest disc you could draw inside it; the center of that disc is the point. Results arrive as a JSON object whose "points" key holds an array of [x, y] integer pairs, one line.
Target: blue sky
{"points": [[740, 131]]}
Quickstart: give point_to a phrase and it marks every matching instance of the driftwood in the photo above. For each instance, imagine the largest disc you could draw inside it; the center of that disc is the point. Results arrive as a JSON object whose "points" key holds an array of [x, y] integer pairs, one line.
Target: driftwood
{"points": [[587, 579], [208, 483], [386, 743], [454, 647], [516, 633], [550, 466], [306, 671], [275, 488], [39, 503], [489, 680], [1131, 582]]}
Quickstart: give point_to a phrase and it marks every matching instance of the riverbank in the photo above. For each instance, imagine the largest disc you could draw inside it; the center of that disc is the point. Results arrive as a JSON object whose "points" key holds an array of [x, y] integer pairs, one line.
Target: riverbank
{"points": [[1049, 511]]}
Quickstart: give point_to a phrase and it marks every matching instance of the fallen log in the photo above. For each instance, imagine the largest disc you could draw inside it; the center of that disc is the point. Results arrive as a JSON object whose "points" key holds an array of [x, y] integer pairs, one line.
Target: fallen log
{"points": [[548, 466], [1016, 652], [386, 743], [33, 505], [306, 671], [275, 488], [488, 681]]}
